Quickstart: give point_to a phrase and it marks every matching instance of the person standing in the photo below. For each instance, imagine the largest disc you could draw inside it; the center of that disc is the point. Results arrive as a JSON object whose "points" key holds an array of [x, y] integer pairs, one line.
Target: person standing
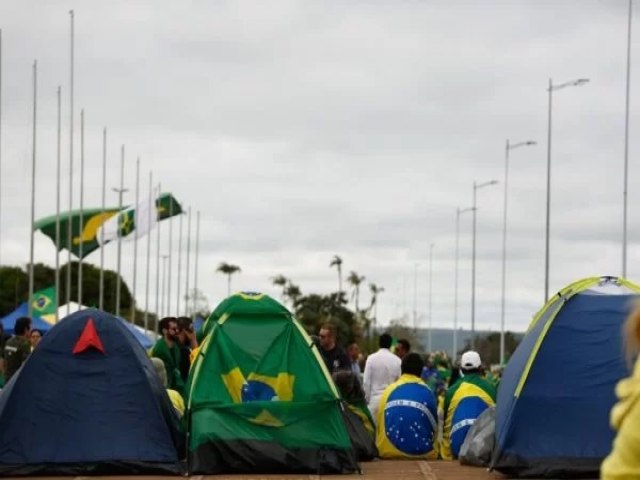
{"points": [[402, 348], [624, 460], [334, 356], [187, 343], [18, 347], [380, 370], [168, 350], [353, 352]]}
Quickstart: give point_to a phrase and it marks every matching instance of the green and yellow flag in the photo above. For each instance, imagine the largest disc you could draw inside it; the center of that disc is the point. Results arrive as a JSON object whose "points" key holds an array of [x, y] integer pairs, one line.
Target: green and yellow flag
{"points": [[85, 224], [43, 304]]}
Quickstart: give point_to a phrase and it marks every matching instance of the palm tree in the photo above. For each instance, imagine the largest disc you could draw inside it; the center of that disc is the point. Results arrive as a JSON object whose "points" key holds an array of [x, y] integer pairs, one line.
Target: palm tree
{"points": [[375, 291], [228, 270], [337, 262], [280, 281], [355, 280], [294, 293]]}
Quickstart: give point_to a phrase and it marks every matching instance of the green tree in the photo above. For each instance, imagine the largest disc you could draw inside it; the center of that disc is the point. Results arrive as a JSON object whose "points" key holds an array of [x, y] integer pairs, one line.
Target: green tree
{"points": [[280, 281], [489, 347], [336, 261], [355, 280], [228, 269]]}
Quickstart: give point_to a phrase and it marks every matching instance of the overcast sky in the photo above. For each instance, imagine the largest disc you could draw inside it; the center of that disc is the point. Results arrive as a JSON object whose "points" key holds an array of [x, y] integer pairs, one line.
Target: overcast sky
{"points": [[304, 129]]}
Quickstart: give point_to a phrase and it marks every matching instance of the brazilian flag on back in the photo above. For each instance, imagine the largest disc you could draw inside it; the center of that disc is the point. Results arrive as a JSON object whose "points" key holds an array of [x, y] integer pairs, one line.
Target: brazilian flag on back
{"points": [[260, 399]]}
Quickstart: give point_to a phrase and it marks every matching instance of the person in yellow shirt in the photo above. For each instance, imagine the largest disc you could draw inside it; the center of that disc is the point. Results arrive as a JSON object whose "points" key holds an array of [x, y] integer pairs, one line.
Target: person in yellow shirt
{"points": [[623, 463], [407, 415]]}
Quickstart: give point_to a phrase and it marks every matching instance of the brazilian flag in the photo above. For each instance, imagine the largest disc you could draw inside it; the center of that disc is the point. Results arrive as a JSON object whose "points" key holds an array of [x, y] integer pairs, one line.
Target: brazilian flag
{"points": [[259, 398], [43, 304]]}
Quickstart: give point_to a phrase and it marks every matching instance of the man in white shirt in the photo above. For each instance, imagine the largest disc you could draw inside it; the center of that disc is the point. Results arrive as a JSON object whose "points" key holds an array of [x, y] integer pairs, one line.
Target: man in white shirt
{"points": [[381, 370]]}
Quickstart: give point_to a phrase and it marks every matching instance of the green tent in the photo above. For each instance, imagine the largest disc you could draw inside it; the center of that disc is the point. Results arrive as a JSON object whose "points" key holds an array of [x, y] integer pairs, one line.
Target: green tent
{"points": [[260, 399]]}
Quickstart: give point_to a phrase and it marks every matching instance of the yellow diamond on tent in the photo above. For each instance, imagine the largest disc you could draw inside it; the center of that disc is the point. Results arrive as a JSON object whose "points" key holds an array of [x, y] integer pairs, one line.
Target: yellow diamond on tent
{"points": [[266, 419]]}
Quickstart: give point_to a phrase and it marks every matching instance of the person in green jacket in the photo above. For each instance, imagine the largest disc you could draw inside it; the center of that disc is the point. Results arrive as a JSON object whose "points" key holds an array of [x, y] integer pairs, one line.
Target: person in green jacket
{"points": [[168, 350]]}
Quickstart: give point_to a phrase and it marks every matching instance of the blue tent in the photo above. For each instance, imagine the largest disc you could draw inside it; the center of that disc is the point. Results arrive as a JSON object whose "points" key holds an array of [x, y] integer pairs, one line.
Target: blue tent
{"points": [[88, 401], [145, 341], [552, 414], [9, 321]]}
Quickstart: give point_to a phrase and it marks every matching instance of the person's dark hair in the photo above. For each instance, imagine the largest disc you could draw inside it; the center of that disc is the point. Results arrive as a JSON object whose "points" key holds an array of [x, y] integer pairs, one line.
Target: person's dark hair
{"points": [[164, 323], [348, 385], [331, 327], [22, 325], [412, 364], [385, 340], [455, 375], [184, 323], [405, 343]]}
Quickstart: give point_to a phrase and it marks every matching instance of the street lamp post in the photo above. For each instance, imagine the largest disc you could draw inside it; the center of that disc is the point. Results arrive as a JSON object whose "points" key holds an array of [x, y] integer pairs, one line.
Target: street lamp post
{"points": [[476, 187], [459, 212], [509, 147], [430, 345], [551, 89]]}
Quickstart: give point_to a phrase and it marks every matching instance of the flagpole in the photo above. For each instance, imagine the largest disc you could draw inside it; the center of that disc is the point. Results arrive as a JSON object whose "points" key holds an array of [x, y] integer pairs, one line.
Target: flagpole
{"points": [[170, 257], [152, 208], [59, 97], [69, 222], [195, 267], [81, 207], [186, 296], [1, 135], [179, 265], [33, 185], [158, 268], [120, 191], [164, 282], [104, 194], [135, 242]]}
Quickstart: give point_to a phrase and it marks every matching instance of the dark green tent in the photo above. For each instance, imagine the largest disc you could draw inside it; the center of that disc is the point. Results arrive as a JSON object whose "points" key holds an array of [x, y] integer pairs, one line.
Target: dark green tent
{"points": [[260, 399]]}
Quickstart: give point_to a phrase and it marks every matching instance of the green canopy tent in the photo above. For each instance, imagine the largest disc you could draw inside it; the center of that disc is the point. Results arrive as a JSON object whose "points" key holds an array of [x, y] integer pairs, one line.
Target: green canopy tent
{"points": [[260, 399]]}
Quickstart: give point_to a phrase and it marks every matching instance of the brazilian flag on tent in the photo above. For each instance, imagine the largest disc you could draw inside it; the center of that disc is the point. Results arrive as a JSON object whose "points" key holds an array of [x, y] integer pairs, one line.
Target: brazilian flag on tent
{"points": [[260, 399]]}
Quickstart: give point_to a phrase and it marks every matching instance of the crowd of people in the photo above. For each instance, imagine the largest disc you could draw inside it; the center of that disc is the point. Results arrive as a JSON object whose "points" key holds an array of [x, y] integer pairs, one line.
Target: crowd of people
{"points": [[420, 405]]}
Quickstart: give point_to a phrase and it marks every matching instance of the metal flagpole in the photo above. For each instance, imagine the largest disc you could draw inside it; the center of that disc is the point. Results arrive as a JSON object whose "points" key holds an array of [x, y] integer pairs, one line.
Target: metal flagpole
{"points": [[33, 185], [158, 312], [164, 283], [168, 299], [195, 267], [186, 296], [1, 134], [120, 191], [135, 242], [626, 148], [146, 296], [69, 222], [179, 265], [59, 95], [104, 194], [81, 207]]}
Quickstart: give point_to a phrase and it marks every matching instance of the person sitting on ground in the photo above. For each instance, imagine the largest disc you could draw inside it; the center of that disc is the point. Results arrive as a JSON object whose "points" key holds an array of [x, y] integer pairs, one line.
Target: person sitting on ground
{"points": [[624, 460], [176, 399], [402, 348], [407, 425], [380, 370], [350, 388], [168, 350], [17, 348], [333, 354], [464, 401]]}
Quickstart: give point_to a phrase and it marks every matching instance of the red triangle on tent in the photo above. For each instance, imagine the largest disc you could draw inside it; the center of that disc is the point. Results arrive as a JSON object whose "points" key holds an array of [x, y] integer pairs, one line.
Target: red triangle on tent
{"points": [[88, 338]]}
